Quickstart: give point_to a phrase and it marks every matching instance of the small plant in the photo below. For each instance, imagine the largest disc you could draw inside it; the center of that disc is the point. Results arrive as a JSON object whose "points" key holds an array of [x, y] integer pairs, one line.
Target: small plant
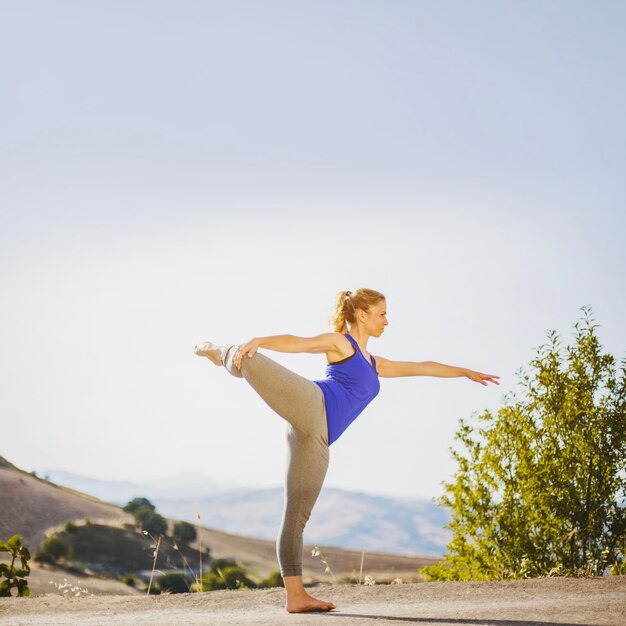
{"points": [[200, 554], [361, 570], [186, 562], [15, 577], [396, 581], [68, 589], [369, 580], [155, 554], [352, 579], [316, 552]]}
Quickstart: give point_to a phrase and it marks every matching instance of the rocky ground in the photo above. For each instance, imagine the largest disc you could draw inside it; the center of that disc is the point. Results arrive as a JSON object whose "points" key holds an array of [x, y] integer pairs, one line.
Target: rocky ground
{"points": [[537, 602]]}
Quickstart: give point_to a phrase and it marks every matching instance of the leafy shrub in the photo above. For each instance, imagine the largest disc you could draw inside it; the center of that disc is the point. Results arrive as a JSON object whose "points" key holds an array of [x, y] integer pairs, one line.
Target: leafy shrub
{"points": [[173, 583], [220, 564], [440, 572], [120, 551], [184, 533], [138, 503], [150, 521], [230, 577], [235, 578], [539, 489], [273, 580], [52, 550]]}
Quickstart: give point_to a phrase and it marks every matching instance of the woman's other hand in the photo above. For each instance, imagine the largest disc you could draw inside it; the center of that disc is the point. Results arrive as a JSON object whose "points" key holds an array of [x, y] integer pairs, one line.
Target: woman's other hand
{"points": [[481, 378], [248, 348]]}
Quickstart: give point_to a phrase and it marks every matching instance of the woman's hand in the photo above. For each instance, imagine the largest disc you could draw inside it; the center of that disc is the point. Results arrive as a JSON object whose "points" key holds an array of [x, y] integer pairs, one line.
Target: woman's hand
{"points": [[481, 378], [245, 348]]}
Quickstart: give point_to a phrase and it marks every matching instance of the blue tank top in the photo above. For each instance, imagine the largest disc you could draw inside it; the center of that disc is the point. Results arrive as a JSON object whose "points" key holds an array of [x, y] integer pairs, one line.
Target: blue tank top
{"points": [[350, 385]]}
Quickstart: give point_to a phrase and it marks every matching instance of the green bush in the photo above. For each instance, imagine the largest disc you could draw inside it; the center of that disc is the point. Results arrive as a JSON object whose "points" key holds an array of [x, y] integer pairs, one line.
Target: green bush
{"points": [[440, 572], [174, 583], [138, 503], [235, 578], [540, 482], [123, 550], [211, 582], [230, 577], [273, 580], [221, 564], [184, 533], [52, 550], [150, 521]]}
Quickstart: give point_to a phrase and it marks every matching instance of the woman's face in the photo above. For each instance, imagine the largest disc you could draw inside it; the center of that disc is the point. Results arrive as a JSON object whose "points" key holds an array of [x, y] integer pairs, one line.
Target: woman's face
{"points": [[375, 319]]}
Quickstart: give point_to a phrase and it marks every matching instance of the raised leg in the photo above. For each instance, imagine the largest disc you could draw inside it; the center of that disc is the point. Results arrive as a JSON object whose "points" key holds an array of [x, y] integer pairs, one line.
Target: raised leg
{"points": [[301, 403], [296, 399]]}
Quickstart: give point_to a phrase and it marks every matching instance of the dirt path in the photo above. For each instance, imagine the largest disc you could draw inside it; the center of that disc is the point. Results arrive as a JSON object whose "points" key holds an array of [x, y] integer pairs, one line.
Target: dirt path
{"points": [[537, 602]]}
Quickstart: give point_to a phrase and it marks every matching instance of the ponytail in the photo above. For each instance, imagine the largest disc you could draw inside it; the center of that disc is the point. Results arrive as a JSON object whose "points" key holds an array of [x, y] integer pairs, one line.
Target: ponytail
{"points": [[340, 315]]}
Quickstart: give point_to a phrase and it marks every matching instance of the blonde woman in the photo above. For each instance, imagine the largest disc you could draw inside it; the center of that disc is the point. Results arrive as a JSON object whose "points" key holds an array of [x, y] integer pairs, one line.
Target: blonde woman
{"points": [[318, 412]]}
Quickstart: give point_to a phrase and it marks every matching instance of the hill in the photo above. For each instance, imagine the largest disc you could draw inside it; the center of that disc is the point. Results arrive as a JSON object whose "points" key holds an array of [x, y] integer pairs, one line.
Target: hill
{"points": [[34, 507], [31, 506]]}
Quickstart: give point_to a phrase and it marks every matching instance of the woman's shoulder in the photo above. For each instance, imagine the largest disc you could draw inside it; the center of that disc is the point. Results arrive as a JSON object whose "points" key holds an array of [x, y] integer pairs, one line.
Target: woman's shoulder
{"points": [[342, 347]]}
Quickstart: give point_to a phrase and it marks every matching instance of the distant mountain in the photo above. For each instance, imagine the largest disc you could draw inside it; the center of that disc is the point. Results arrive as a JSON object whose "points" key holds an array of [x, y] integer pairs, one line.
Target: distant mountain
{"points": [[340, 518]]}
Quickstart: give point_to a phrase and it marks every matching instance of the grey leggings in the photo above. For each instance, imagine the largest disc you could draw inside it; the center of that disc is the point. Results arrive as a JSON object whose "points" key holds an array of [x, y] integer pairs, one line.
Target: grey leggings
{"points": [[301, 403]]}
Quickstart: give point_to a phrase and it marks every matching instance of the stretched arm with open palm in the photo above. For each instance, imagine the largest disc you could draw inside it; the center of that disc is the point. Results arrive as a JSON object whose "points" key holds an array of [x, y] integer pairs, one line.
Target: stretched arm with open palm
{"points": [[387, 368]]}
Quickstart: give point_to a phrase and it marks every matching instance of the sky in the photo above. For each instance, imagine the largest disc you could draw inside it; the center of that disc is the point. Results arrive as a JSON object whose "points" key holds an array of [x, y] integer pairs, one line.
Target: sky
{"points": [[175, 172]]}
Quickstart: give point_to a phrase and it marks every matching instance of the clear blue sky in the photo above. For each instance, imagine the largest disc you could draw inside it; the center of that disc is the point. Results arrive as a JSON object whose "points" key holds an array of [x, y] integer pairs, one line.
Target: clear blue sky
{"points": [[172, 172]]}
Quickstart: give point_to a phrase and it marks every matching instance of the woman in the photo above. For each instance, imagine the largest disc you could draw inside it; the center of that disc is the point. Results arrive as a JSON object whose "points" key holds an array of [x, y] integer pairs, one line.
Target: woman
{"points": [[319, 411]]}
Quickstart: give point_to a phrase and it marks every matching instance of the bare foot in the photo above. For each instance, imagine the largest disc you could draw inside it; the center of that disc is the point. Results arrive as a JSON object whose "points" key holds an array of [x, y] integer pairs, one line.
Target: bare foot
{"points": [[306, 603], [207, 349]]}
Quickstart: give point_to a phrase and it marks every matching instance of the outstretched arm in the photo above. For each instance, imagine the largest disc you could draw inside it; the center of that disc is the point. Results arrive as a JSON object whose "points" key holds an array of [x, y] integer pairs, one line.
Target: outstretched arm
{"points": [[392, 369], [288, 343]]}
